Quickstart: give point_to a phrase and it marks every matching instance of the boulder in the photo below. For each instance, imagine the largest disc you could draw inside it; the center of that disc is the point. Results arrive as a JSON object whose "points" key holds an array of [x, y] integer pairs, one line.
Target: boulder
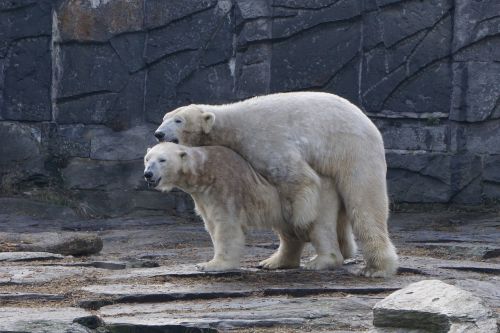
{"points": [[77, 243], [433, 306]]}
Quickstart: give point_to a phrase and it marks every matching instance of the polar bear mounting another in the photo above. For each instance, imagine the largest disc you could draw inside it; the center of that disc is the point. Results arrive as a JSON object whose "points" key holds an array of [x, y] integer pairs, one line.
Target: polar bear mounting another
{"points": [[294, 140]]}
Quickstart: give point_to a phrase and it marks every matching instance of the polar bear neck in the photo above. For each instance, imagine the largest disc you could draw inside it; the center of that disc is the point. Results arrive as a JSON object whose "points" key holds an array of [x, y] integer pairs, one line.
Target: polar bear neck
{"points": [[226, 130], [195, 178]]}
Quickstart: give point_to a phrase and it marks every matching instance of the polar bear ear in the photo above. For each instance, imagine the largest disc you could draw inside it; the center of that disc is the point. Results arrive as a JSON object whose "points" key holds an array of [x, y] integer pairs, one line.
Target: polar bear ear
{"points": [[208, 119], [182, 154], [147, 150]]}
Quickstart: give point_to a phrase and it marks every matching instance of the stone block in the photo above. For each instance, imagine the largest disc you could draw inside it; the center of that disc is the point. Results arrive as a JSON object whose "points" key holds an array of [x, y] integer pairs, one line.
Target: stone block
{"points": [[98, 20], [208, 85], [475, 21], [406, 18], [253, 80], [24, 19], [311, 15], [252, 9], [414, 135], [160, 13], [161, 98], [21, 144], [69, 141], [27, 81], [476, 96], [130, 49], [89, 69], [479, 138], [87, 174], [96, 88], [492, 168], [433, 177], [418, 177], [192, 32], [106, 144], [312, 58]]}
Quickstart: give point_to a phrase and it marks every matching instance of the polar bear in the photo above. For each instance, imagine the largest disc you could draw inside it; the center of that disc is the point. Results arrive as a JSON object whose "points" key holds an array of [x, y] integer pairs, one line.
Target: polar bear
{"points": [[230, 197], [294, 138]]}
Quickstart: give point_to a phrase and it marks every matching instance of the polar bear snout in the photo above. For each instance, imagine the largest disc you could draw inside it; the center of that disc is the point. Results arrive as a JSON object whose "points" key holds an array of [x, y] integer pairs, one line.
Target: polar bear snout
{"points": [[160, 136], [148, 175]]}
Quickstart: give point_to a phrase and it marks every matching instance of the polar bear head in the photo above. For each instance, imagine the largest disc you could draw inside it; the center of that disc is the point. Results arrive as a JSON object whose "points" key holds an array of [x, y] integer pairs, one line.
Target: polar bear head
{"points": [[164, 165], [185, 125]]}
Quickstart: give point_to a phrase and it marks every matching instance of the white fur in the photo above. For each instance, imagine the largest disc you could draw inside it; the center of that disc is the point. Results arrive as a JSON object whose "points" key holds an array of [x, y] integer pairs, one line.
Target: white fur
{"points": [[231, 197], [293, 139]]}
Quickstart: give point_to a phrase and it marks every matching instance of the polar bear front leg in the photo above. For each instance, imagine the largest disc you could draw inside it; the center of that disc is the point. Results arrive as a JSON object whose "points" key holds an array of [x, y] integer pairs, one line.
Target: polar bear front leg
{"points": [[323, 235], [228, 240], [287, 256]]}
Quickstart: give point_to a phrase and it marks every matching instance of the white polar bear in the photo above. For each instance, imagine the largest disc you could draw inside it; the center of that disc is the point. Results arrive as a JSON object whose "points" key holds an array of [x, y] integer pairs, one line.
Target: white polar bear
{"points": [[293, 138], [230, 196]]}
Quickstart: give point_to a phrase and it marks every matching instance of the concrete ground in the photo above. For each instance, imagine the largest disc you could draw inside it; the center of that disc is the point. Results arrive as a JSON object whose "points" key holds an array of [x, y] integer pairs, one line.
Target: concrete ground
{"points": [[144, 279]]}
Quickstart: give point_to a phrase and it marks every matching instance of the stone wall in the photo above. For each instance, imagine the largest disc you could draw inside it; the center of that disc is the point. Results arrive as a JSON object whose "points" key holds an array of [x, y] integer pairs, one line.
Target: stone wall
{"points": [[83, 84]]}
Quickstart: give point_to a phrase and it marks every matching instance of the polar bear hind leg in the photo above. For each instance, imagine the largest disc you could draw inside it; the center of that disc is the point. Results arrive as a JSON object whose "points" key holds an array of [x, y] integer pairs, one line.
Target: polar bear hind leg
{"points": [[323, 232], [366, 205], [345, 235]]}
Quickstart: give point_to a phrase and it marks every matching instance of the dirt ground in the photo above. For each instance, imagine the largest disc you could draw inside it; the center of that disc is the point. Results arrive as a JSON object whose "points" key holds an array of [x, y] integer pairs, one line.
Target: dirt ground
{"points": [[144, 279]]}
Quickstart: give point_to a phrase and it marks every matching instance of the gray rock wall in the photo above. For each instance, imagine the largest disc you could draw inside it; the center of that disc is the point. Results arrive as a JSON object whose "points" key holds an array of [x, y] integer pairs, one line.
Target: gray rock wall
{"points": [[83, 83]]}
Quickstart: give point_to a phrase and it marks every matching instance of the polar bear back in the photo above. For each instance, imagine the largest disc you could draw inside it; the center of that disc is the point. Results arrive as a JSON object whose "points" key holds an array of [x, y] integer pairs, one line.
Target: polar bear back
{"points": [[323, 128]]}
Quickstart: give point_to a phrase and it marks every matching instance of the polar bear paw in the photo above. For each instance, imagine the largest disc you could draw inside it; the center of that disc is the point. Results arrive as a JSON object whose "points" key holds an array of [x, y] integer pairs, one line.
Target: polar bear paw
{"points": [[375, 272], [278, 262], [217, 266], [324, 262]]}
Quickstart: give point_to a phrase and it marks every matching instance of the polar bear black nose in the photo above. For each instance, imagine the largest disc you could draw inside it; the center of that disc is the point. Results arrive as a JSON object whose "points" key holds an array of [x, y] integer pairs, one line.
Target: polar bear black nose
{"points": [[159, 135], [148, 174]]}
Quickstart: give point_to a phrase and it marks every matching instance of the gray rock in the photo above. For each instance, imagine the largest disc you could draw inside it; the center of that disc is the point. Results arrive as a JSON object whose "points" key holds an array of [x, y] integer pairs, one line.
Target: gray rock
{"points": [[97, 64], [85, 174], [339, 44], [314, 15], [213, 84], [409, 172], [35, 209], [434, 306], [69, 141], [29, 275], [130, 49], [26, 256], [170, 71], [20, 296], [98, 20], [473, 22], [479, 138], [237, 313], [61, 243], [161, 13], [21, 142], [181, 35], [474, 95], [414, 135], [56, 320], [106, 144], [27, 85], [114, 98], [23, 19]]}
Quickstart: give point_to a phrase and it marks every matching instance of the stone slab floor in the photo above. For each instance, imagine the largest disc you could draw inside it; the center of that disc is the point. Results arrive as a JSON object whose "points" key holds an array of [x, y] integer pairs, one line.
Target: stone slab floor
{"points": [[144, 279]]}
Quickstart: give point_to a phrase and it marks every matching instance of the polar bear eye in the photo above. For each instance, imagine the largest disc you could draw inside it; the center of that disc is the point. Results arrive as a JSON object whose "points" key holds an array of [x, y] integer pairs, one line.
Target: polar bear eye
{"points": [[178, 121], [161, 160]]}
